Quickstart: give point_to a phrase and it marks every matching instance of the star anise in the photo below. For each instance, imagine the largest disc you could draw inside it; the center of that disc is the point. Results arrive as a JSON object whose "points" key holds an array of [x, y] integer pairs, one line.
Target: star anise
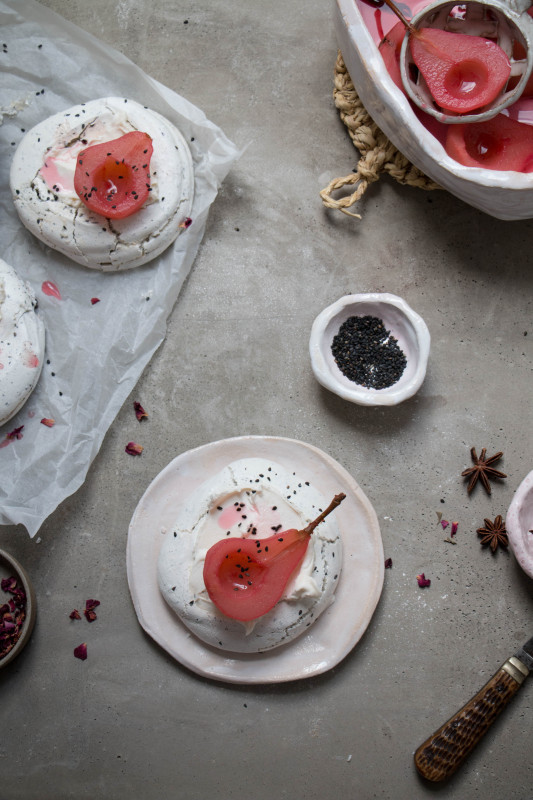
{"points": [[494, 533], [482, 469]]}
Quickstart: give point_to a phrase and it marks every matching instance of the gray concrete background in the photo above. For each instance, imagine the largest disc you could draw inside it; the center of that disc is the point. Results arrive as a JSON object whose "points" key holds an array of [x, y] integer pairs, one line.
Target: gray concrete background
{"points": [[130, 722]]}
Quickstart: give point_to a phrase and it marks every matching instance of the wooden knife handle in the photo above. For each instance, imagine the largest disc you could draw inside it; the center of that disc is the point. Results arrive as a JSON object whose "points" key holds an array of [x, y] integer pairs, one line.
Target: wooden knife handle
{"points": [[442, 753]]}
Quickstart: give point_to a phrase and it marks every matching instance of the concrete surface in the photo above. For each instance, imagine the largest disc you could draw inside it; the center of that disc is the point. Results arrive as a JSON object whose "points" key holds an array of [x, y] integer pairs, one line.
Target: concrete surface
{"points": [[130, 722]]}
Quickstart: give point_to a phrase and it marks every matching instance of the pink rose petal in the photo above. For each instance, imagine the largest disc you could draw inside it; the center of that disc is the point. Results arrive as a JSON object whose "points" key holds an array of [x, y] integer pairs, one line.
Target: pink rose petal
{"points": [[134, 449], [90, 605], [140, 413], [81, 651]]}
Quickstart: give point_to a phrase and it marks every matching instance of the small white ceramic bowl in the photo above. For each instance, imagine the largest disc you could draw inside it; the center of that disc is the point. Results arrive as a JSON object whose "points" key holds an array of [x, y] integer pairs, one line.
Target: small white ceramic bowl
{"points": [[519, 523], [404, 324]]}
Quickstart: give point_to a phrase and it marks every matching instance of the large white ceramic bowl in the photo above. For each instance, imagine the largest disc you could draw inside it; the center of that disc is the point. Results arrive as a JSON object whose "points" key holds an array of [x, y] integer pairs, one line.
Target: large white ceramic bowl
{"points": [[505, 195], [405, 325], [519, 524]]}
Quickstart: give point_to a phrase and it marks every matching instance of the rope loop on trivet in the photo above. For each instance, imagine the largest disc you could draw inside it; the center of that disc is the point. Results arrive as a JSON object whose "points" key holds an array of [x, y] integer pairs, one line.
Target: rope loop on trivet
{"points": [[378, 154]]}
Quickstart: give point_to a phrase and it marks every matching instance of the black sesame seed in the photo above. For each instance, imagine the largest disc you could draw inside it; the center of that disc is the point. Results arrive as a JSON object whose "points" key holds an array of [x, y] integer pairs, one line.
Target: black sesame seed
{"points": [[367, 354]]}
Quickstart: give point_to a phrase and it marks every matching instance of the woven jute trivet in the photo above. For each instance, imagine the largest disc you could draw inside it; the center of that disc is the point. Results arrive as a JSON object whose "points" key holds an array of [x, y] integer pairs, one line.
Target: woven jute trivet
{"points": [[377, 153]]}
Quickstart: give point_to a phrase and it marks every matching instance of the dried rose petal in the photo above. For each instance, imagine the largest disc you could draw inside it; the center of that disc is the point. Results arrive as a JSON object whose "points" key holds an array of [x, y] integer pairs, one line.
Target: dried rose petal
{"points": [[422, 580], [94, 300], [134, 449], [140, 413], [16, 433], [90, 605], [453, 531], [81, 651], [388, 563], [186, 222], [75, 614], [8, 584], [444, 523], [48, 422]]}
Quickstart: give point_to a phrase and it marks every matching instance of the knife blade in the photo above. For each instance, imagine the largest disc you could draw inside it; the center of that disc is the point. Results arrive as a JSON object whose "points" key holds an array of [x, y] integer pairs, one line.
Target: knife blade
{"points": [[440, 755]]}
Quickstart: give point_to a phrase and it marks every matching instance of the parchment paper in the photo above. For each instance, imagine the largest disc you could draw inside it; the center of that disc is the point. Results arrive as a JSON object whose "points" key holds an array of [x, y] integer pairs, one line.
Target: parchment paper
{"points": [[94, 353]]}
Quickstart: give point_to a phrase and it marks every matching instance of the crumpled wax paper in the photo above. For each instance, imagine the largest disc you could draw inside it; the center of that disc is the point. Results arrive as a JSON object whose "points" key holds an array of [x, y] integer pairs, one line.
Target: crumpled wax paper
{"points": [[94, 353]]}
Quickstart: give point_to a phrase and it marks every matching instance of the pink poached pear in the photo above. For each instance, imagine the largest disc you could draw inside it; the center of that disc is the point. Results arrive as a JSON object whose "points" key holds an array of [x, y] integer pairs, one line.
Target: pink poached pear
{"points": [[113, 178], [245, 578], [463, 72], [498, 143]]}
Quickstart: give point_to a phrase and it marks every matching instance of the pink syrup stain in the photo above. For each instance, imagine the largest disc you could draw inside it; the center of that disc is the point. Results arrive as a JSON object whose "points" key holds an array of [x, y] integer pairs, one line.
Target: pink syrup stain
{"points": [[58, 171], [5, 443], [31, 414], [230, 517], [30, 359], [51, 289]]}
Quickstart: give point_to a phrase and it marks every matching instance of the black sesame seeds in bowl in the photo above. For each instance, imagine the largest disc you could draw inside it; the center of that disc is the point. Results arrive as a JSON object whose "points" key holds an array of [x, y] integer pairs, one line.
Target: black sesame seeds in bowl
{"points": [[371, 349]]}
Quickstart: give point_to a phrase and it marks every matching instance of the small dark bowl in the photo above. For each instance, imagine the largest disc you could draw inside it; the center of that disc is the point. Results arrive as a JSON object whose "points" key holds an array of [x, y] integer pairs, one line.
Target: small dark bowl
{"points": [[8, 567]]}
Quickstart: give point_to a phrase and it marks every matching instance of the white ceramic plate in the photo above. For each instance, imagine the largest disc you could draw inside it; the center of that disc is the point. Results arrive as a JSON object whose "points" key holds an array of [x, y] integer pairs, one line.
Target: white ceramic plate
{"points": [[336, 631]]}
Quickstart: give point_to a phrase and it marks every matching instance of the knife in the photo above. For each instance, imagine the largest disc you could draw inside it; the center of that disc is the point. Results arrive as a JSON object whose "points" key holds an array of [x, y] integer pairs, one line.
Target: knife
{"points": [[442, 753]]}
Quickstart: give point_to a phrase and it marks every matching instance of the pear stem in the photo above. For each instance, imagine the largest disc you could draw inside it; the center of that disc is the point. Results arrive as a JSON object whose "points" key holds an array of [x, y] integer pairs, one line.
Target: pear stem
{"points": [[393, 7], [337, 500]]}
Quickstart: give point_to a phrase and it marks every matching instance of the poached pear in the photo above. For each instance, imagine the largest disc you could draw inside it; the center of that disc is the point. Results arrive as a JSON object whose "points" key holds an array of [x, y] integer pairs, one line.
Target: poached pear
{"points": [[463, 72], [113, 178], [245, 578]]}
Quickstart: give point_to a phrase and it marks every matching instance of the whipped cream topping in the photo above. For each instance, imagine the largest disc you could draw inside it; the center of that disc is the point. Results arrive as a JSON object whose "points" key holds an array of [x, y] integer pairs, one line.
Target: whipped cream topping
{"points": [[249, 498], [21, 342], [42, 185]]}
